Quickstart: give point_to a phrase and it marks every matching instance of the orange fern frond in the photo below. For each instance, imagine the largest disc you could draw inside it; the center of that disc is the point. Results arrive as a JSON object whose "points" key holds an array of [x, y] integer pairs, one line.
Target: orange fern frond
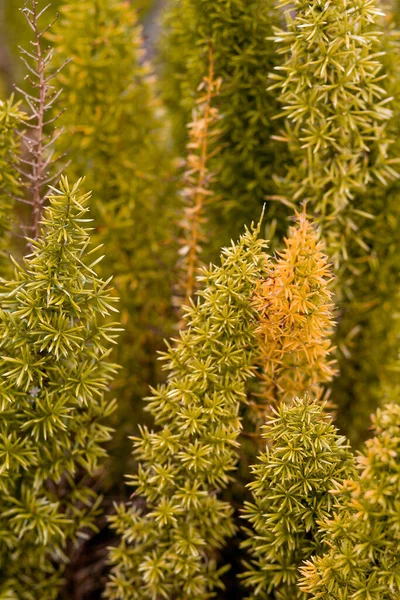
{"points": [[296, 320]]}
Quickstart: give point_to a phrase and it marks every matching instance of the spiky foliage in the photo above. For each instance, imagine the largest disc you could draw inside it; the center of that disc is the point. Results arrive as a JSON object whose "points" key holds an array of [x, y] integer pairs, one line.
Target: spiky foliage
{"points": [[368, 331], [11, 118], [238, 32], [201, 148], [296, 320], [304, 460], [168, 549], [337, 107], [114, 133], [363, 560], [54, 371]]}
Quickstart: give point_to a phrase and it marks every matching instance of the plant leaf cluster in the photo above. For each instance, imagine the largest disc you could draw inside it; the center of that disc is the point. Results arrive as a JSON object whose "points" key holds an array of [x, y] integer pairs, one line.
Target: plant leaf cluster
{"points": [[238, 31], [169, 545], [363, 556], [295, 320], [114, 134], [54, 370], [338, 87], [305, 459]]}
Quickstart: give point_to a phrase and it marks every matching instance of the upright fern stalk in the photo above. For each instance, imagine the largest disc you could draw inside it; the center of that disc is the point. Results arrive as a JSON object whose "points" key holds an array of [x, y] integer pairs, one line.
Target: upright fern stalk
{"points": [[362, 559], [337, 104], [170, 540], [202, 147], [304, 461], [295, 320], [36, 168], [54, 371]]}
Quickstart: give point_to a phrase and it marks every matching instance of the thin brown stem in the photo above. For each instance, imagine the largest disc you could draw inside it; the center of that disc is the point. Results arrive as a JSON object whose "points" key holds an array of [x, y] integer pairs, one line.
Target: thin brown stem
{"points": [[37, 163], [38, 152], [197, 180]]}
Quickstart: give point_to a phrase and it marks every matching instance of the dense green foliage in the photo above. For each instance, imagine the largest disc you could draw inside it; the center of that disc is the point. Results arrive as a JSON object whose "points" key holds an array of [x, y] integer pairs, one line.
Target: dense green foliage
{"points": [[169, 550], [114, 134], [54, 372], [363, 560], [336, 100], [336, 128], [237, 32], [368, 330], [304, 461]]}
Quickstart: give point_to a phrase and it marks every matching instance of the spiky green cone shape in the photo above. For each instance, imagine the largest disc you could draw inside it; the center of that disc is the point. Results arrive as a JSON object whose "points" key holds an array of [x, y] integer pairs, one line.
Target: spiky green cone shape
{"points": [[54, 370], [168, 548], [363, 562], [238, 33], [114, 132], [336, 100], [304, 460]]}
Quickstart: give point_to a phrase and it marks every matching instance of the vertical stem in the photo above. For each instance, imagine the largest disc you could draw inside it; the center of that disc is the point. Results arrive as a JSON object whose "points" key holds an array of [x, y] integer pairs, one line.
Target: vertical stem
{"points": [[199, 189], [197, 180], [38, 162]]}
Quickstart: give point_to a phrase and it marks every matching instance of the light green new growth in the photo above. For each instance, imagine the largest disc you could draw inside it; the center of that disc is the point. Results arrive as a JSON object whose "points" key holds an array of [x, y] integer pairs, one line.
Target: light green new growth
{"points": [[304, 460], [170, 544], [363, 561], [54, 372]]}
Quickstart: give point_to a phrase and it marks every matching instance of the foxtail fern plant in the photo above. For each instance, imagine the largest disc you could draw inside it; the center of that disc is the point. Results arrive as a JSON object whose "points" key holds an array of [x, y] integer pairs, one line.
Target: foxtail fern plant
{"points": [[114, 134], [336, 110], [304, 461], [295, 320], [238, 33], [54, 371], [363, 538], [368, 330], [337, 103], [170, 540]]}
